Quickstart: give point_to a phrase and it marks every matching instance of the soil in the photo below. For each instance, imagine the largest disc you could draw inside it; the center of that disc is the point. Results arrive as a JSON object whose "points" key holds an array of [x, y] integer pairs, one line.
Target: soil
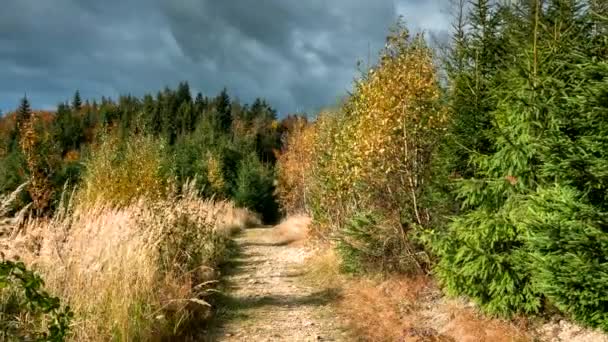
{"points": [[266, 299]]}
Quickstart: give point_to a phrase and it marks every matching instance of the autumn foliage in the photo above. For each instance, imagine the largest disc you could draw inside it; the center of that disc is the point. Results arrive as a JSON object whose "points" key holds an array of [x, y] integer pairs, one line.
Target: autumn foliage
{"points": [[33, 143], [295, 163], [373, 154]]}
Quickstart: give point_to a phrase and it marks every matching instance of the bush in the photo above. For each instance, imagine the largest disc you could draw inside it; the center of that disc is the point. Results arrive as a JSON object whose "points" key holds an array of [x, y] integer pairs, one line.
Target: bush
{"points": [[120, 172], [27, 312], [369, 244]]}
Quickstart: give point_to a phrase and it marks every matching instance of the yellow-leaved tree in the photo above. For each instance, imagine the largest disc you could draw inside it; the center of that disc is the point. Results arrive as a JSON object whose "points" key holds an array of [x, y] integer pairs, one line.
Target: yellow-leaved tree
{"points": [[363, 178], [396, 122]]}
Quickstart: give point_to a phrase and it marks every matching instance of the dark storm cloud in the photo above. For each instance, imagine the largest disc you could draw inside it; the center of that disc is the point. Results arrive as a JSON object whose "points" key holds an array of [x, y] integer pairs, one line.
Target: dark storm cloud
{"points": [[301, 55]]}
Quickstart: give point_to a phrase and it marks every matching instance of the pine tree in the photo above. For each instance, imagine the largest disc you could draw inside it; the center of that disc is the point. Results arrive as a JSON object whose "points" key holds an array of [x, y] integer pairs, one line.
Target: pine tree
{"points": [[24, 113], [223, 110], [76, 102]]}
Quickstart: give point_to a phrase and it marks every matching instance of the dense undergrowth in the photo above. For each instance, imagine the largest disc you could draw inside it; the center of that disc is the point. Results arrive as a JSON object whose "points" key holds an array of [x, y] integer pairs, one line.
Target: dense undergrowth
{"points": [[131, 265], [494, 182], [136, 273]]}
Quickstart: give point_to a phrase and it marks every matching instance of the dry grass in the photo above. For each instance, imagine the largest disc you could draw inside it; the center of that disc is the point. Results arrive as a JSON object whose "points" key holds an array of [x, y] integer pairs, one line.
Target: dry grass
{"points": [[293, 229], [324, 270], [405, 308], [468, 325], [387, 311], [140, 272], [412, 310]]}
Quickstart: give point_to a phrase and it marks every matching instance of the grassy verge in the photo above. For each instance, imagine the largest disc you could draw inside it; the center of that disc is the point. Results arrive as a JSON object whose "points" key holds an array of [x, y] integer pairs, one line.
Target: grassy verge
{"points": [[399, 308], [138, 272]]}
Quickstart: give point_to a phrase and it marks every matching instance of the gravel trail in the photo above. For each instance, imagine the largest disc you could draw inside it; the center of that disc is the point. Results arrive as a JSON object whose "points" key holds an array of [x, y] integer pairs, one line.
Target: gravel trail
{"points": [[266, 299]]}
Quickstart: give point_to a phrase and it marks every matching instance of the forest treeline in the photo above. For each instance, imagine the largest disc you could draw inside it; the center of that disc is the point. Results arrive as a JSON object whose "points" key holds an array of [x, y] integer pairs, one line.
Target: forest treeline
{"points": [[116, 216], [228, 148], [483, 162]]}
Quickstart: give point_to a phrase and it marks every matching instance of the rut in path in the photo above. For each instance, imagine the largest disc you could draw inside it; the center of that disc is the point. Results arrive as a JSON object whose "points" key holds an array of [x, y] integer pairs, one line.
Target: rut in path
{"points": [[266, 299]]}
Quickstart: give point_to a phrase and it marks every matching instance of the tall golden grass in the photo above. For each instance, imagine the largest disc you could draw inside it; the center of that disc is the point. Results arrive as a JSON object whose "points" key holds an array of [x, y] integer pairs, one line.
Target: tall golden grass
{"points": [[138, 272]]}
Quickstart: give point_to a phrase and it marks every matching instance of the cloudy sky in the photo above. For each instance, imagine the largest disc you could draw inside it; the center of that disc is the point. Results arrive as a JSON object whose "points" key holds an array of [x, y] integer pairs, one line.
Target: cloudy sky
{"points": [[299, 54]]}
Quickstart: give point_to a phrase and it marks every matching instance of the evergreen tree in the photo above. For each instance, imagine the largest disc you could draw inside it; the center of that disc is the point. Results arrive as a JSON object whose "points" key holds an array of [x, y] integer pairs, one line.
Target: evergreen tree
{"points": [[186, 119], [484, 255], [565, 217], [24, 113], [149, 111], [63, 127], [183, 94], [76, 102], [598, 13], [200, 106], [256, 110], [199, 99], [254, 188], [223, 110], [471, 66], [169, 108], [156, 115]]}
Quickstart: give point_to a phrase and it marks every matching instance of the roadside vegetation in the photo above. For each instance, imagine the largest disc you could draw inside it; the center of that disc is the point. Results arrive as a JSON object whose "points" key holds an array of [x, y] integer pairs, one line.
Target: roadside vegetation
{"points": [[125, 212], [481, 163]]}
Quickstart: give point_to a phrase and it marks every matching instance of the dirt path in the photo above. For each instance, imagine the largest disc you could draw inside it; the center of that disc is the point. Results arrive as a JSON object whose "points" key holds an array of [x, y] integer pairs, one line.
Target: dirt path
{"points": [[266, 299]]}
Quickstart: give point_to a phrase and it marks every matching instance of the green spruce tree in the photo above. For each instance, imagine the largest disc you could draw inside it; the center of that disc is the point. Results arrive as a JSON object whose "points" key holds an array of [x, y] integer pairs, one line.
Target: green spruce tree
{"points": [[475, 57], [223, 108], [566, 217], [76, 102], [24, 112], [484, 254]]}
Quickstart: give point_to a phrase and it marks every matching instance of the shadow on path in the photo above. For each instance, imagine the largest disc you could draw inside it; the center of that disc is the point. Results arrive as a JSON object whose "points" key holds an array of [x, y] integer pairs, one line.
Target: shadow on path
{"points": [[260, 287]]}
